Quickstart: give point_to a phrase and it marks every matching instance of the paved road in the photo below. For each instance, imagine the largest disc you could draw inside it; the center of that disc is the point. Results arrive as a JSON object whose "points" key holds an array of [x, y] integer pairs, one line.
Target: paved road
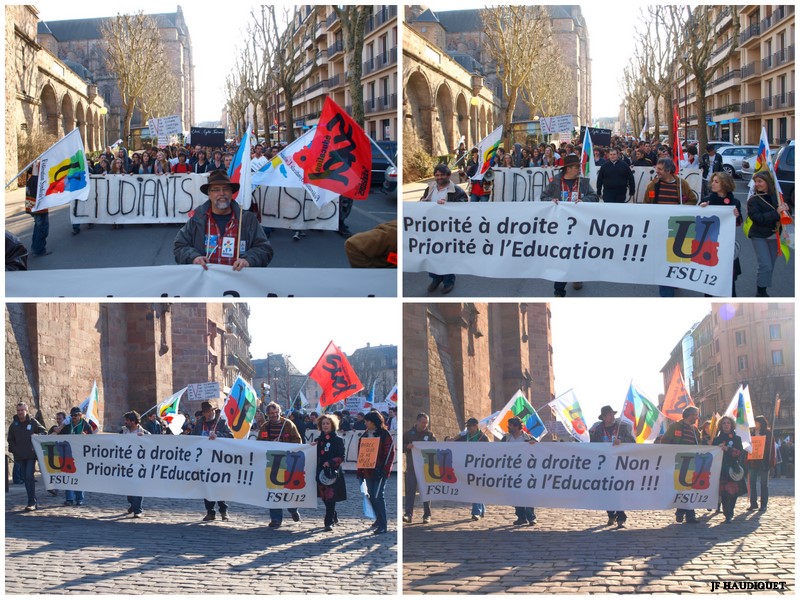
{"points": [[415, 284], [571, 551], [142, 246], [99, 549]]}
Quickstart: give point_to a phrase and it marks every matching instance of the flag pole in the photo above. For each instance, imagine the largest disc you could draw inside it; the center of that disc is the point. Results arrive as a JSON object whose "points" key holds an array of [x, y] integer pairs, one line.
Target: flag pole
{"points": [[148, 410], [17, 176], [386, 156]]}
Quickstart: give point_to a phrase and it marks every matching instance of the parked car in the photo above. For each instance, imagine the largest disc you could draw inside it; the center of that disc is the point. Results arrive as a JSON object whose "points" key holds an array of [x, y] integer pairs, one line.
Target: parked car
{"points": [[717, 144], [732, 157], [389, 185], [379, 162], [749, 165], [784, 169]]}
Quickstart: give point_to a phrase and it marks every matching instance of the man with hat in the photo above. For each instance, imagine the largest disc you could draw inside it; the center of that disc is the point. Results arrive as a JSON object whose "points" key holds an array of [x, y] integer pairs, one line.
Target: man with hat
{"points": [[76, 425], [209, 424], [568, 186], [684, 432], [474, 434], [279, 429], [611, 430], [220, 232]]}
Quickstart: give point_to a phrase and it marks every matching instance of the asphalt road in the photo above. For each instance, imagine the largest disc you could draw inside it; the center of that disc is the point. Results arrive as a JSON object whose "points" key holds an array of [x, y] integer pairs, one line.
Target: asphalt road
{"points": [[415, 284], [142, 245]]}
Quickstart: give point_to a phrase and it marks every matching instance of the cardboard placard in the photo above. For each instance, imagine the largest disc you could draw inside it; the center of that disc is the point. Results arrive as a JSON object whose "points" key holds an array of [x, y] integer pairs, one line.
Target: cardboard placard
{"points": [[758, 442], [368, 453]]}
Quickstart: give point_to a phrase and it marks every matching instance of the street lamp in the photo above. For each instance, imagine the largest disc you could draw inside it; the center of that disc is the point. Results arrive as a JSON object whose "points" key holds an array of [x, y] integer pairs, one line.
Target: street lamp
{"points": [[685, 99]]}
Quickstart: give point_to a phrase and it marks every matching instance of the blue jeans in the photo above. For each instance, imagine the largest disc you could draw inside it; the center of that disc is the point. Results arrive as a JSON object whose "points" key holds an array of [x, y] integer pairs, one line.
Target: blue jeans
{"points": [[525, 513], [766, 250], [73, 496], [476, 198], [276, 514], [375, 491], [478, 510], [411, 492], [27, 466], [446, 279], [755, 475], [136, 504], [41, 227]]}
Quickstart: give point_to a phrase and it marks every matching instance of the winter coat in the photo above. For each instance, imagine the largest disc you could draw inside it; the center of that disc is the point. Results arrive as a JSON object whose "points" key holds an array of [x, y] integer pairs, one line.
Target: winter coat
{"points": [[553, 190], [615, 177], [763, 211], [19, 437], [330, 449], [383, 466]]}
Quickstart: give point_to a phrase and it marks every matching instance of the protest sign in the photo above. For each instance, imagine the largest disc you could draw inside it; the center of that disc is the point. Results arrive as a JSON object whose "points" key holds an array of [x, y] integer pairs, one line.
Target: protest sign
{"points": [[561, 123], [202, 391], [368, 453], [680, 246], [140, 199], [526, 184], [208, 136], [757, 452], [350, 445], [269, 474], [192, 281], [570, 475]]}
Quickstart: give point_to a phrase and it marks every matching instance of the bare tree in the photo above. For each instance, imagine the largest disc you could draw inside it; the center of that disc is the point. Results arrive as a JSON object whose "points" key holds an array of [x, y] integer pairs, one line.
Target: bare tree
{"points": [[353, 20], [135, 55], [544, 94], [700, 45], [634, 92], [511, 30]]}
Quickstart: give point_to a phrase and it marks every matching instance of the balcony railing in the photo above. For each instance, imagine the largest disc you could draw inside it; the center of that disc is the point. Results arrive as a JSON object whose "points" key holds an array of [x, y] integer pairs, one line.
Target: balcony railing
{"points": [[316, 86], [381, 103], [311, 116], [727, 109], [379, 18], [727, 77], [332, 18], [750, 107], [335, 48], [722, 48], [777, 15], [749, 32], [725, 12], [754, 68], [778, 101]]}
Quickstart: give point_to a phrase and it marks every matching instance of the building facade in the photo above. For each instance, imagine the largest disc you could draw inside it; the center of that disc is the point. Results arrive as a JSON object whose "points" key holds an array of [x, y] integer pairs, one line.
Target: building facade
{"points": [[754, 85], [744, 343], [46, 97], [277, 379], [139, 354], [465, 360], [80, 41]]}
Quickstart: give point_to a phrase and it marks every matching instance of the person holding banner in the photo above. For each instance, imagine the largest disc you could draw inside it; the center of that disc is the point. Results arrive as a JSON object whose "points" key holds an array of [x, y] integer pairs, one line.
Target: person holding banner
{"points": [[220, 232], [612, 431], [473, 434], [330, 478], [76, 425], [684, 432], [763, 212], [731, 478], [279, 429], [759, 467], [526, 515], [376, 476], [722, 188], [568, 186], [132, 427], [418, 433], [209, 425]]}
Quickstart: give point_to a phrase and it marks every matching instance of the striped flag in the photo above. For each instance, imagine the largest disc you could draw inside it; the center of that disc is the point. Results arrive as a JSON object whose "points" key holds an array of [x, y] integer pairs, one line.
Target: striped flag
{"points": [[518, 407], [239, 171], [643, 415], [588, 166]]}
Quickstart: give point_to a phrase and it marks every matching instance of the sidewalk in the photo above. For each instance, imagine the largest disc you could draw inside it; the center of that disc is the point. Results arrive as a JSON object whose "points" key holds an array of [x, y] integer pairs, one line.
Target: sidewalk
{"points": [[572, 551]]}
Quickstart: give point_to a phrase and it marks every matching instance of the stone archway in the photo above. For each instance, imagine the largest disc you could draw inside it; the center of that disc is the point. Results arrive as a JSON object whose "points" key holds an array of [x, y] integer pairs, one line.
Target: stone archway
{"points": [[462, 117], [482, 124], [91, 130], [48, 111], [67, 114], [443, 138], [420, 108], [80, 121]]}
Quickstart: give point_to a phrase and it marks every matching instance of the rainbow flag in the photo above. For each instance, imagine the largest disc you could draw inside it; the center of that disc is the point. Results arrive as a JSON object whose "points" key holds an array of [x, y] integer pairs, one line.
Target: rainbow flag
{"points": [[487, 148], [645, 418], [741, 410], [239, 171], [785, 240], [239, 409], [518, 407], [92, 409], [588, 167], [568, 411], [167, 410], [391, 397], [62, 173]]}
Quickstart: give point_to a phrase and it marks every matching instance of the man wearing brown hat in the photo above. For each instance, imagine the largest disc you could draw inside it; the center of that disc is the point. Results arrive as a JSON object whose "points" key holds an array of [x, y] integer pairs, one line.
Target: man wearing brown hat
{"points": [[211, 426], [611, 430], [568, 186], [220, 232]]}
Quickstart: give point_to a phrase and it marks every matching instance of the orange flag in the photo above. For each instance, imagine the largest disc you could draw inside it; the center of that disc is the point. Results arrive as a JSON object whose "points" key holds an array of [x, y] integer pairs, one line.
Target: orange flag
{"points": [[335, 376], [677, 398]]}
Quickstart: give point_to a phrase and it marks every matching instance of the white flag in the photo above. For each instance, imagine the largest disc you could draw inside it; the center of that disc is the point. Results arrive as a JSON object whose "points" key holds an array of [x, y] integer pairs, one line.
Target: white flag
{"points": [[568, 410], [62, 173], [92, 409], [287, 173], [741, 411], [486, 150]]}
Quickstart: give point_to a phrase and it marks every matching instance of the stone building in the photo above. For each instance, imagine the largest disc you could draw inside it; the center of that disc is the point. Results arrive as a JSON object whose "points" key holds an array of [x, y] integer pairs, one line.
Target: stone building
{"points": [[45, 97], [138, 354], [376, 366], [80, 41], [737, 344], [283, 378], [466, 360]]}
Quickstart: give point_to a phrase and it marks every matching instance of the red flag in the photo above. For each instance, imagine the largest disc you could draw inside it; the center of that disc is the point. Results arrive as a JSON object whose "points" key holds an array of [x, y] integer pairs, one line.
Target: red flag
{"points": [[340, 155], [677, 151], [335, 376], [677, 398]]}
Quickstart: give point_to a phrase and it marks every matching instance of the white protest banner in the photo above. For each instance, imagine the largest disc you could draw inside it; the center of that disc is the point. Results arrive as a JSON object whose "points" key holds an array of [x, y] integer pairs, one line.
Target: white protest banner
{"points": [[350, 445], [169, 125], [680, 246], [202, 391], [570, 475], [140, 199], [270, 474], [526, 184], [354, 404], [556, 124], [192, 281]]}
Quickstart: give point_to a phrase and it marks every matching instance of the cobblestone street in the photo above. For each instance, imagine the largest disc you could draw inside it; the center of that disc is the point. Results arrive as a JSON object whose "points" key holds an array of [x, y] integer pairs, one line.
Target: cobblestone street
{"points": [[571, 551], [99, 549]]}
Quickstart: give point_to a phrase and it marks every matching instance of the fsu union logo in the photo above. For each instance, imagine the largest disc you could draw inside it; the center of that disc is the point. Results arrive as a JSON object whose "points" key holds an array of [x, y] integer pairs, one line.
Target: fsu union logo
{"points": [[693, 239], [286, 470], [58, 457], [693, 471], [438, 466]]}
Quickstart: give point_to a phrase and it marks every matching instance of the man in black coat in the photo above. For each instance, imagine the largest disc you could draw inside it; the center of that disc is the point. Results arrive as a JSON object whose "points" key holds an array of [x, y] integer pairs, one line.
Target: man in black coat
{"points": [[614, 177], [22, 427]]}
